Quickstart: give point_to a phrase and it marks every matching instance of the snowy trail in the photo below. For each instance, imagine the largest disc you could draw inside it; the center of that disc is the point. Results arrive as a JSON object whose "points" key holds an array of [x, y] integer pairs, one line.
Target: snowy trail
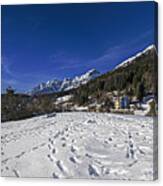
{"points": [[79, 145]]}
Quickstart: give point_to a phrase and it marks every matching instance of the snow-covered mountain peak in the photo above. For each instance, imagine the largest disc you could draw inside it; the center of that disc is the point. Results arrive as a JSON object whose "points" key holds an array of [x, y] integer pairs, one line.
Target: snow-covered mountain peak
{"points": [[132, 58], [92, 72], [56, 85]]}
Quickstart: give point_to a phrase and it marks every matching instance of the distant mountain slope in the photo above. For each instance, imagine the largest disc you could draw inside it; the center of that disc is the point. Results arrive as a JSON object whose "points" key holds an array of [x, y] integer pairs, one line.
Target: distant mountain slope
{"points": [[67, 84], [135, 77], [133, 58]]}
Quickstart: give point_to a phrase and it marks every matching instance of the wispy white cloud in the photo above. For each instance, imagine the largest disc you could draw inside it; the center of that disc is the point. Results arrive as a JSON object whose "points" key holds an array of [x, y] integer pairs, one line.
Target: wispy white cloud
{"points": [[110, 55], [22, 81], [114, 52], [8, 77], [6, 66]]}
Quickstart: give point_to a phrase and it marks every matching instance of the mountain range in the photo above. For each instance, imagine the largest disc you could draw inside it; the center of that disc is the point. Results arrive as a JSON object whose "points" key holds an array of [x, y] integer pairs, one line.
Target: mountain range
{"points": [[56, 85]]}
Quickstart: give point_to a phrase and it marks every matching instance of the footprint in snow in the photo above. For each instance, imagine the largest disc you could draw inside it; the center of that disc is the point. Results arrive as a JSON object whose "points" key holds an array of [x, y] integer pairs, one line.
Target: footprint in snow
{"points": [[60, 166], [133, 163], [56, 135], [5, 161], [54, 151], [54, 175], [64, 145], [42, 145], [63, 139], [73, 160], [19, 155], [16, 173], [34, 148], [51, 141], [50, 158], [7, 168], [88, 155], [92, 171], [49, 147], [105, 170]]}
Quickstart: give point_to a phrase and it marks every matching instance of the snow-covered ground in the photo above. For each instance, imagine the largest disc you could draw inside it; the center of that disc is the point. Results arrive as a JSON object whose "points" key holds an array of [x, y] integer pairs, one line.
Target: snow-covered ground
{"points": [[79, 145]]}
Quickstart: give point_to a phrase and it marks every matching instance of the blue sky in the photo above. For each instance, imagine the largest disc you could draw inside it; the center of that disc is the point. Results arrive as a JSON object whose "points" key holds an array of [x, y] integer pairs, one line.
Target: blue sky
{"points": [[43, 42]]}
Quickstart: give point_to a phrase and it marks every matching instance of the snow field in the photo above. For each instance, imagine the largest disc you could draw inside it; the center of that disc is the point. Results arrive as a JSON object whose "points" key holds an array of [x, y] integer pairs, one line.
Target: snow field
{"points": [[79, 145]]}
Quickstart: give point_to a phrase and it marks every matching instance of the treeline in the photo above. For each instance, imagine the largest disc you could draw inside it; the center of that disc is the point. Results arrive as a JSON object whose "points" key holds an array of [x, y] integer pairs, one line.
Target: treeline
{"points": [[21, 106]]}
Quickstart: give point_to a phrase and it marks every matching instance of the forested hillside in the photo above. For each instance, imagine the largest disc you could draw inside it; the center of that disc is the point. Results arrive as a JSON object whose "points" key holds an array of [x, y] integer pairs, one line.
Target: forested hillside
{"points": [[137, 79]]}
